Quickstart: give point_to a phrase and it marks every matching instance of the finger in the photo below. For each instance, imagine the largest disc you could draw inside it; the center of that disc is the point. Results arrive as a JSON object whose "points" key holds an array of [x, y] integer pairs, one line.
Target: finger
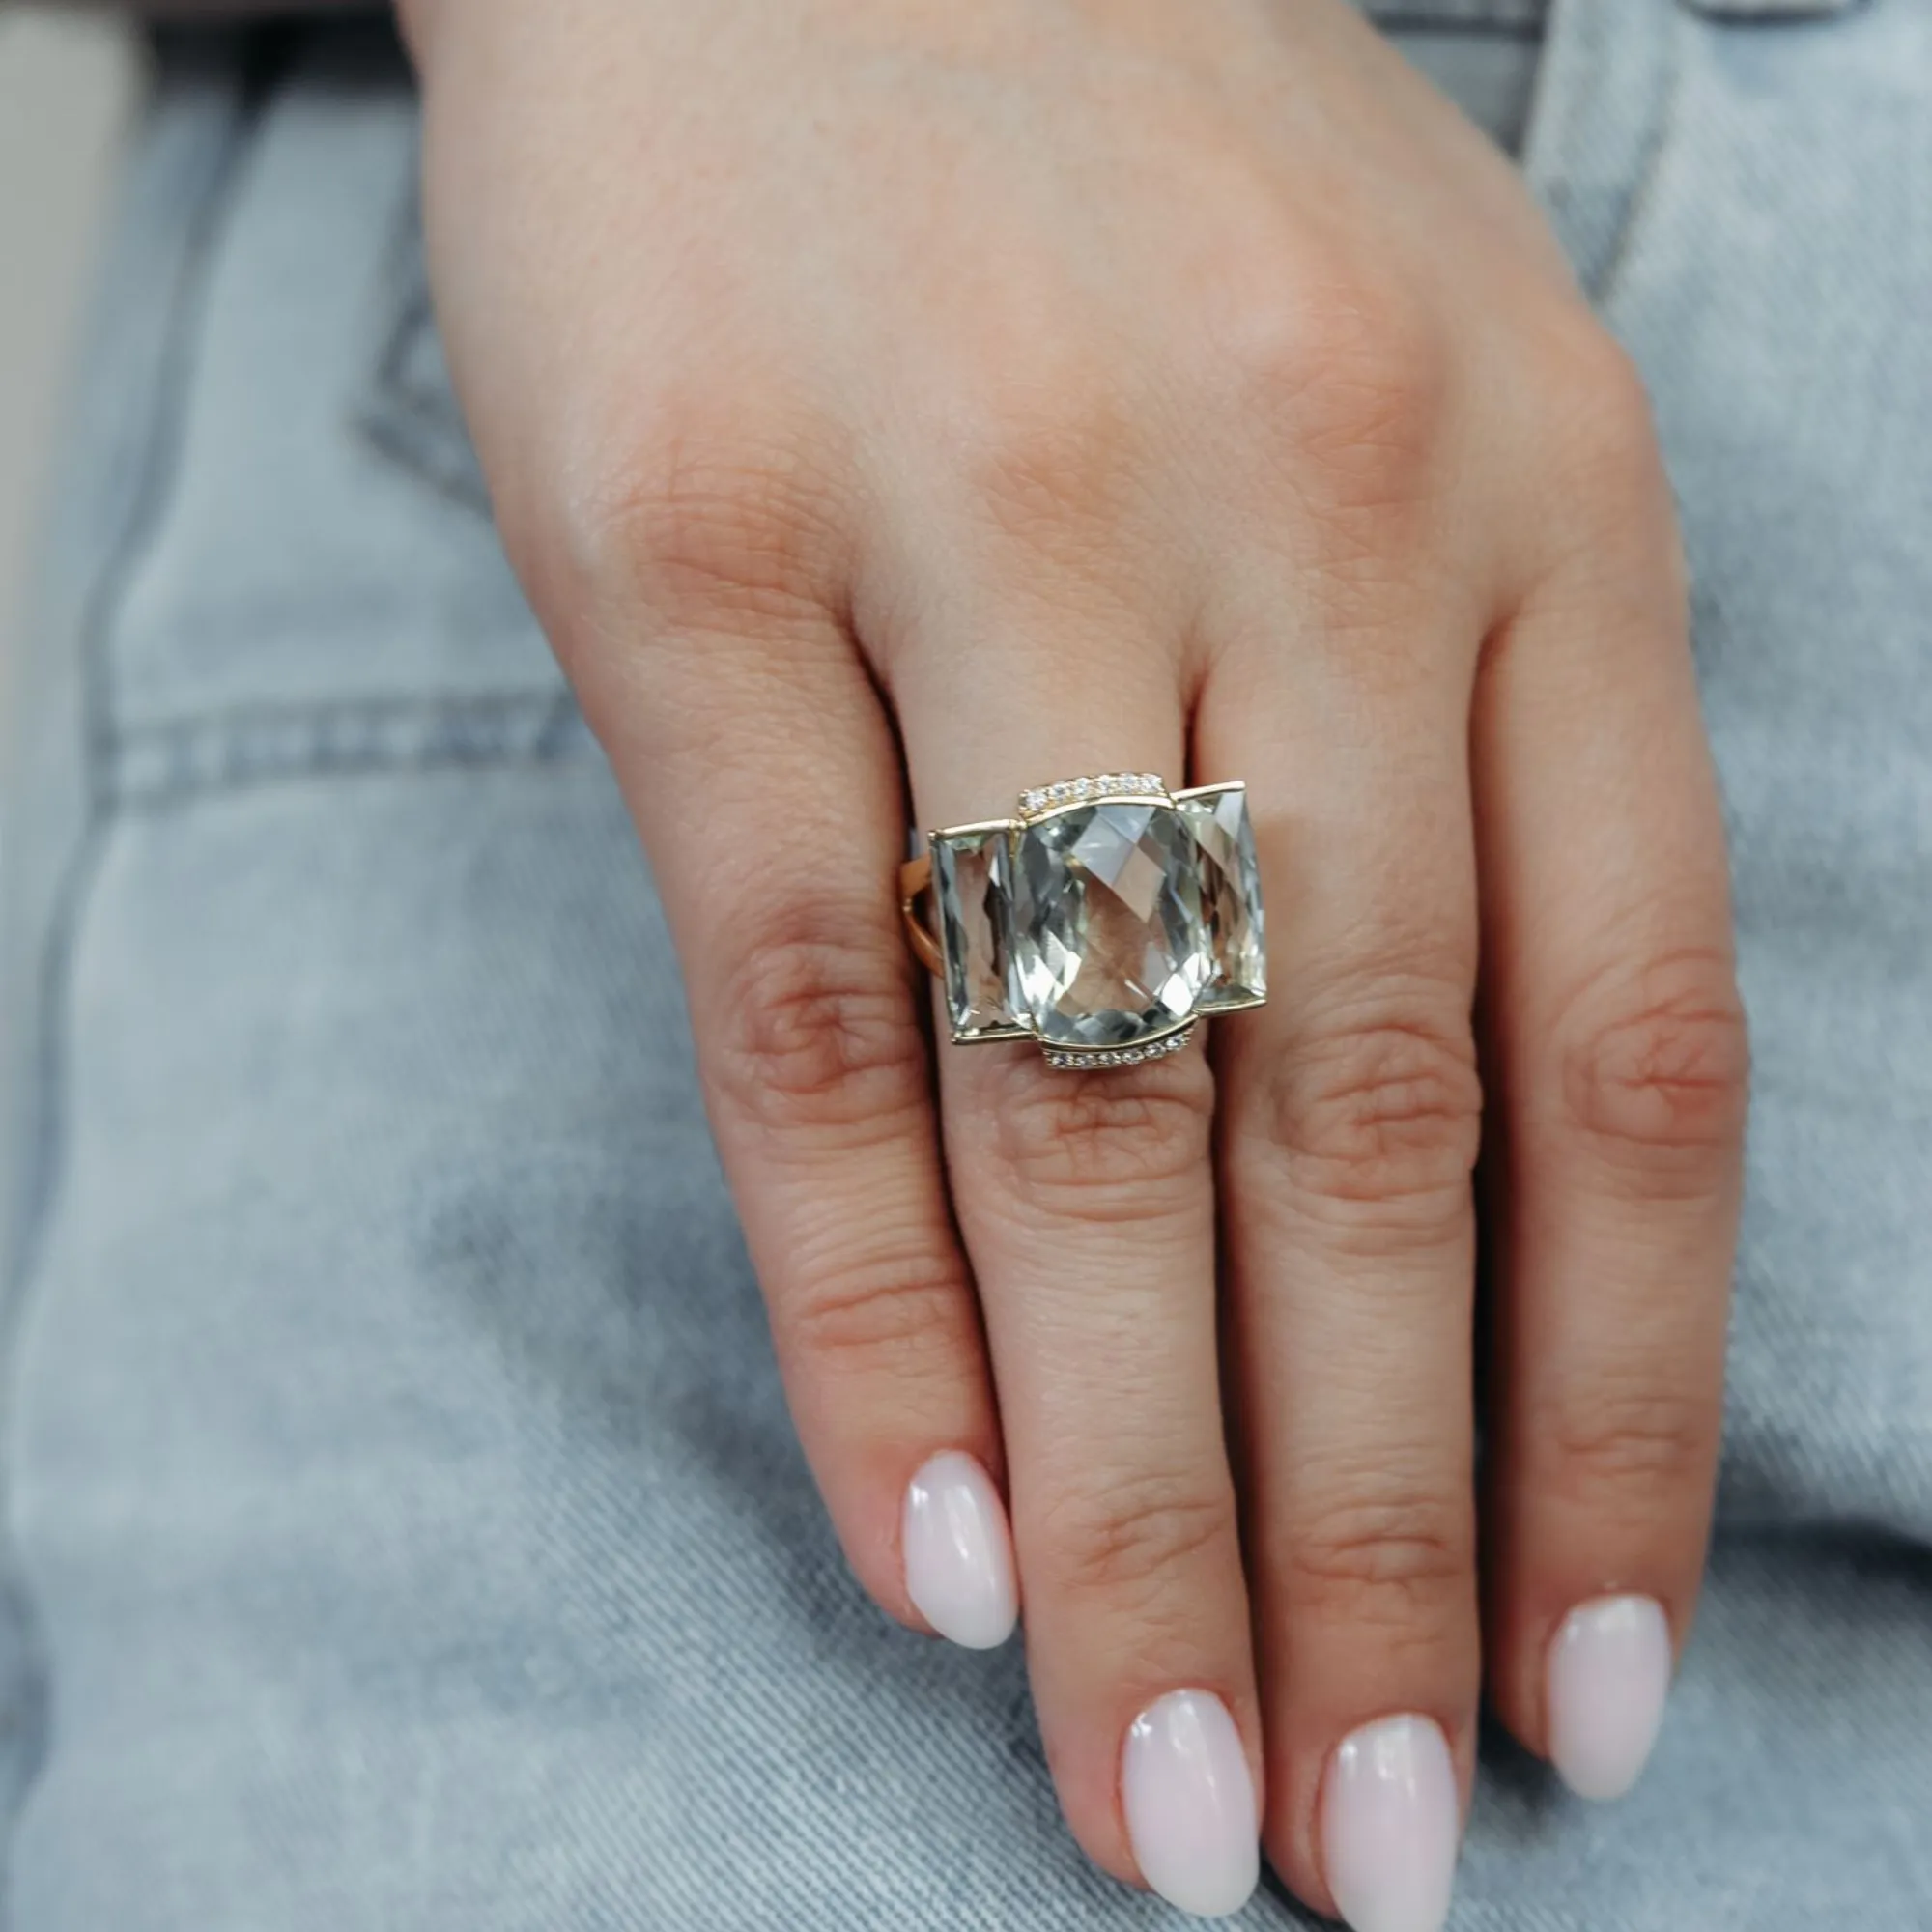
{"points": [[1351, 1119], [1087, 1203], [755, 756], [1620, 1054]]}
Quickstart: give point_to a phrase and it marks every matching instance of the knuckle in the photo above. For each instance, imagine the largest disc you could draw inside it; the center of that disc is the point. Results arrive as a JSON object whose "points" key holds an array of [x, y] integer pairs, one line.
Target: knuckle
{"points": [[816, 1028], [713, 520], [892, 1311], [1617, 1441], [1382, 1113], [1395, 1562], [1354, 377], [1595, 412], [1656, 1074], [1108, 1144], [1135, 1537], [1050, 455]]}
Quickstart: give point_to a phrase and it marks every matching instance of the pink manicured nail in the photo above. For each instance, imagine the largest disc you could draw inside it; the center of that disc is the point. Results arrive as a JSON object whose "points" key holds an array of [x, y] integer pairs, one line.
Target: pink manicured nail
{"points": [[1190, 1803], [958, 1552], [1391, 1824], [1609, 1673]]}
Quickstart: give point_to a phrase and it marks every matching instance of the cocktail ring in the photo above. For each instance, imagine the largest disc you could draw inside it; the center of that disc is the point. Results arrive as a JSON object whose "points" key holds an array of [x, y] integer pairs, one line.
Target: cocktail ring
{"points": [[1103, 920]]}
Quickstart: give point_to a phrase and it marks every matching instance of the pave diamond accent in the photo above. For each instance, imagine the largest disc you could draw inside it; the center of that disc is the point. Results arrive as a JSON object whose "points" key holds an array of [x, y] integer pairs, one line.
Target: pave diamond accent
{"points": [[1230, 894], [1125, 1056], [1107, 784], [1108, 940]]}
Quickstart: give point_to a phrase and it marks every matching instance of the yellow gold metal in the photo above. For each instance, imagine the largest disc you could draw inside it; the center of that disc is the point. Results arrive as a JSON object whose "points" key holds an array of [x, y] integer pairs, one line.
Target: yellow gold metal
{"points": [[916, 883]]}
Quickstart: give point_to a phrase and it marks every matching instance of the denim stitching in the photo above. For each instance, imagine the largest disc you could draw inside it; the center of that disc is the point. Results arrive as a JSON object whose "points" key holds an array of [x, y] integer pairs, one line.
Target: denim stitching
{"points": [[160, 765]]}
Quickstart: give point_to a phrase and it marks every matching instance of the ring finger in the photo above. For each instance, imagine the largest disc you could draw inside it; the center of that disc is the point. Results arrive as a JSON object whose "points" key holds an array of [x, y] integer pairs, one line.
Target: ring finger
{"points": [[1087, 1203]]}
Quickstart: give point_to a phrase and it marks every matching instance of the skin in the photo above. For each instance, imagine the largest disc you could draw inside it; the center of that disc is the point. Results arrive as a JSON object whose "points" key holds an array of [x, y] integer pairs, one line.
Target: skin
{"points": [[890, 405]]}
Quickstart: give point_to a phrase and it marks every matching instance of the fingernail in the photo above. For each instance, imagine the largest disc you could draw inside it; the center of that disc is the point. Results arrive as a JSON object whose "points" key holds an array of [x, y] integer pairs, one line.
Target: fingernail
{"points": [[1610, 1674], [1391, 1826], [958, 1552], [1190, 1803]]}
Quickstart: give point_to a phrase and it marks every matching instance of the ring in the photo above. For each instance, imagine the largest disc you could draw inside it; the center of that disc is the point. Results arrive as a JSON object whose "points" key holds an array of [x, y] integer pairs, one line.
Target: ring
{"points": [[1103, 920]]}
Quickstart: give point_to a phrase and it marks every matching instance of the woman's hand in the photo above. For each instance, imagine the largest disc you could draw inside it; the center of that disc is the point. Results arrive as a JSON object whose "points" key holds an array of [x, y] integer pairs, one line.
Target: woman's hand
{"points": [[887, 389]]}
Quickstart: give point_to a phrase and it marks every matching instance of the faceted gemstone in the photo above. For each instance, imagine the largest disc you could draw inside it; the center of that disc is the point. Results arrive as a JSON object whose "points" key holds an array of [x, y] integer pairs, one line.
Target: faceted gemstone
{"points": [[970, 884], [1108, 942], [1230, 895]]}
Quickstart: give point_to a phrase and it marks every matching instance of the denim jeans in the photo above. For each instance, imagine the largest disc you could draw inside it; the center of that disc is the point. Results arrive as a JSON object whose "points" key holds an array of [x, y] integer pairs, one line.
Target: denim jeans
{"points": [[403, 1525]]}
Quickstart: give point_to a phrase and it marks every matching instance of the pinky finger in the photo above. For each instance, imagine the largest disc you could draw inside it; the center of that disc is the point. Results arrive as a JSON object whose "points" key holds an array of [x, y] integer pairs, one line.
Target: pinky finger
{"points": [[1618, 1038]]}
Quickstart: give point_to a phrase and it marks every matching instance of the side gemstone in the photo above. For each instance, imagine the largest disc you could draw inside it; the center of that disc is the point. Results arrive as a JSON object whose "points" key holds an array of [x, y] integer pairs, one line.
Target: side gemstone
{"points": [[972, 889], [1230, 895]]}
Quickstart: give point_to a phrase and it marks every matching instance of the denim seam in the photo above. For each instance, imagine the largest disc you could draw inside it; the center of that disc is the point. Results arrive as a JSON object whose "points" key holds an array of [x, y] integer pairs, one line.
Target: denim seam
{"points": [[412, 422], [1657, 150], [121, 554], [1597, 120], [160, 765]]}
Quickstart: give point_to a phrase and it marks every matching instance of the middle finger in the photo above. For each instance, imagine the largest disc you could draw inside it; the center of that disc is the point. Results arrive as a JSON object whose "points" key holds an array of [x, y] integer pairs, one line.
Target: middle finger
{"points": [[1350, 1121]]}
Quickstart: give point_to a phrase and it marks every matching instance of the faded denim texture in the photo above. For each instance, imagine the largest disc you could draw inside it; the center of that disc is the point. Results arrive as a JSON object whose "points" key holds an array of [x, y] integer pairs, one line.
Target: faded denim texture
{"points": [[404, 1529]]}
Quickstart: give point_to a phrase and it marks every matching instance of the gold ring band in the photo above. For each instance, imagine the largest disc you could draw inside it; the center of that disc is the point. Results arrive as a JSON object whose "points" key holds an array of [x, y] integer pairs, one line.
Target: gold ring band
{"points": [[915, 883]]}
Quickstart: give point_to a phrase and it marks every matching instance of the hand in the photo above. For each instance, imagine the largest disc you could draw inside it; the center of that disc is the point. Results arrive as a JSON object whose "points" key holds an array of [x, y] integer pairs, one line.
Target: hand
{"points": [[888, 388]]}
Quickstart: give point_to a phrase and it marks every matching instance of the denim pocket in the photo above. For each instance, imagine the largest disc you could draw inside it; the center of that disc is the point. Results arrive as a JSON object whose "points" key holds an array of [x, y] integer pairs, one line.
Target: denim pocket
{"points": [[289, 566]]}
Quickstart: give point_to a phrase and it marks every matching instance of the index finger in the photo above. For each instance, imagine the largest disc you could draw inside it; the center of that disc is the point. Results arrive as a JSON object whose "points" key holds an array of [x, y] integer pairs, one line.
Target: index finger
{"points": [[759, 763]]}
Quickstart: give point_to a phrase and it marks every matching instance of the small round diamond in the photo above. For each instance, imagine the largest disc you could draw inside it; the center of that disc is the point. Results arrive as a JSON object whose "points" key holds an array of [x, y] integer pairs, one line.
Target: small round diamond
{"points": [[1078, 1060]]}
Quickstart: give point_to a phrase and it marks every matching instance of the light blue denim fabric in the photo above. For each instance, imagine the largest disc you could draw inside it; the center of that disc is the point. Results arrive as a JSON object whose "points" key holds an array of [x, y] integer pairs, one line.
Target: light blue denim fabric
{"points": [[404, 1527]]}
